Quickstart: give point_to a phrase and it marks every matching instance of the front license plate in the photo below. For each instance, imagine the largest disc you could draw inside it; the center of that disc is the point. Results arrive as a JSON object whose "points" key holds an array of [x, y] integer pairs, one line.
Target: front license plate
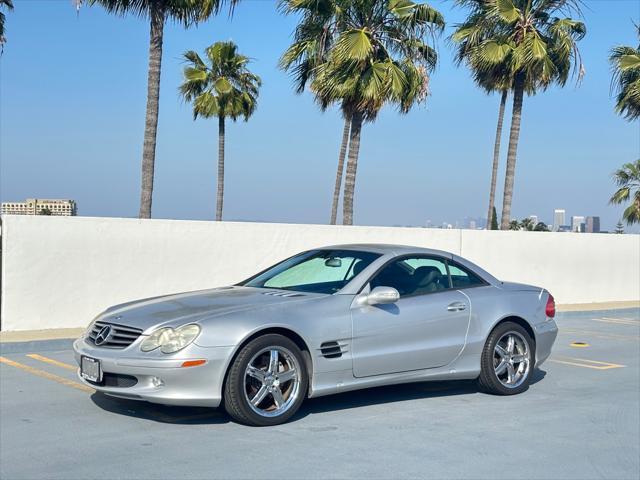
{"points": [[90, 369]]}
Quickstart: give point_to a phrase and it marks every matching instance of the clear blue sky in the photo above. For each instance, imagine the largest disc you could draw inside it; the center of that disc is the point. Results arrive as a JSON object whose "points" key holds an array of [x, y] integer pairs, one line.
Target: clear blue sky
{"points": [[72, 103]]}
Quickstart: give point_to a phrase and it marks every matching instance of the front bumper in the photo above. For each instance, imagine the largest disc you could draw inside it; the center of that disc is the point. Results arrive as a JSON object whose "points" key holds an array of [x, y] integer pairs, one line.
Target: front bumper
{"points": [[160, 378], [546, 333]]}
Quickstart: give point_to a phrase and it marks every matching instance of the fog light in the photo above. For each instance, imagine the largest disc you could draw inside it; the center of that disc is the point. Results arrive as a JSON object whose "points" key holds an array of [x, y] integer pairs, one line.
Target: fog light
{"points": [[157, 382]]}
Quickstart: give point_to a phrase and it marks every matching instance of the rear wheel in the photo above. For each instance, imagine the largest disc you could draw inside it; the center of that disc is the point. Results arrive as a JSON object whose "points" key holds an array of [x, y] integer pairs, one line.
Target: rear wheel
{"points": [[267, 382], [507, 360]]}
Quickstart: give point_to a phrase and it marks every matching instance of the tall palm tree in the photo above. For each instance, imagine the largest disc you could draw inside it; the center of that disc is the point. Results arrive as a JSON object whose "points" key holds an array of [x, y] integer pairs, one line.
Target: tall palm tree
{"points": [[377, 54], [222, 87], [186, 12], [8, 4], [310, 48], [628, 179], [466, 37], [625, 63], [337, 187], [532, 44]]}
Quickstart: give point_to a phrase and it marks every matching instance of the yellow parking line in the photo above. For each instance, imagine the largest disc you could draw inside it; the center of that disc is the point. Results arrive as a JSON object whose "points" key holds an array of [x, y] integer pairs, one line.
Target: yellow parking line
{"points": [[40, 358], [585, 363], [47, 375]]}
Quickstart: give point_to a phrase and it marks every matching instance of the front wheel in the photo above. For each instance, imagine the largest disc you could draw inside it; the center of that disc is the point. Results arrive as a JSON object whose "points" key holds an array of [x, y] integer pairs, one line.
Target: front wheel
{"points": [[267, 382], [507, 360]]}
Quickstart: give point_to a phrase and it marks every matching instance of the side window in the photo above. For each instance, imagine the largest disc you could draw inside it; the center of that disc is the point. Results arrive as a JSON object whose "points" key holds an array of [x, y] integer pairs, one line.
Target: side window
{"points": [[463, 278], [413, 276]]}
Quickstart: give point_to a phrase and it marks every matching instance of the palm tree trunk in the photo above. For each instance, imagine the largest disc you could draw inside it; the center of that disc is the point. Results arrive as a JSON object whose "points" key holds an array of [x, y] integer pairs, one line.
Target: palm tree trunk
{"points": [[352, 167], [518, 94], [220, 192], [496, 158], [338, 185], [153, 99]]}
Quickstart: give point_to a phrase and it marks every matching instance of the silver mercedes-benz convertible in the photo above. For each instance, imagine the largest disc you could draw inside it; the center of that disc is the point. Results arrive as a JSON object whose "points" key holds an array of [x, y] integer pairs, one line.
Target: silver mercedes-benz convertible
{"points": [[321, 322]]}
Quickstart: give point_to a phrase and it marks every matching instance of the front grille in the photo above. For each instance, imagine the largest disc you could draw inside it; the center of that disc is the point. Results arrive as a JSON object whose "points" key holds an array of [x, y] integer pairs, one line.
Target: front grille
{"points": [[120, 336]]}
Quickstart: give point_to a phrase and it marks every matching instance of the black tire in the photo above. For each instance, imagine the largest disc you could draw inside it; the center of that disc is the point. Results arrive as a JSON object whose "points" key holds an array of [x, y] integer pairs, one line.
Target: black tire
{"points": [[488, 381], [235, 398]]}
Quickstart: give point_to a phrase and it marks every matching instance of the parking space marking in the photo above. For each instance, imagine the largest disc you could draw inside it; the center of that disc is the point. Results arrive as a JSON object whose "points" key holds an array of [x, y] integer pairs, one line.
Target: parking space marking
{"points": [[585, 363], [608, 336], [617, 321], [51, 361], [47, 375]]}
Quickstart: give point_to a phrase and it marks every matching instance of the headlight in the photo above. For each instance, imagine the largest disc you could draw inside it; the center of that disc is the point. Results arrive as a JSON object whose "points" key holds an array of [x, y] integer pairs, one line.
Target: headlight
{"points": [[170, 340]]}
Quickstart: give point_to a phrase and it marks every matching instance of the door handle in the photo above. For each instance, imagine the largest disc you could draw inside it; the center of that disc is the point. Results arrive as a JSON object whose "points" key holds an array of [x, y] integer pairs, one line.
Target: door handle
{"points": [[457, 307]]}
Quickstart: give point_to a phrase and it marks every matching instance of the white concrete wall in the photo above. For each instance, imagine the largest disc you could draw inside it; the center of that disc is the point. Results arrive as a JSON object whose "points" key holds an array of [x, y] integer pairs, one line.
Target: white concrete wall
{"points": [[59, 272]]}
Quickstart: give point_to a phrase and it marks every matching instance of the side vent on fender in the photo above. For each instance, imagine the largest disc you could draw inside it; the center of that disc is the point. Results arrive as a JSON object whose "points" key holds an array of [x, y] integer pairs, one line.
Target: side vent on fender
{"points": [[332, 349]]}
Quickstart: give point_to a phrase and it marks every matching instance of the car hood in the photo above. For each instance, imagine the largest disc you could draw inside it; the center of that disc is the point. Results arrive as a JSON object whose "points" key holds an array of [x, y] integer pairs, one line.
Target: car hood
{"points": [[178, 309]]}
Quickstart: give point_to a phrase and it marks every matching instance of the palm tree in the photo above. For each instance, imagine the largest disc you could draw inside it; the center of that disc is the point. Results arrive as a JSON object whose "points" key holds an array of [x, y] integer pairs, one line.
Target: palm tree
{"points": [[531, 44], [625, 63], [541, 227], [222, 88], [376, 54], [628, 179], [496, 155], [8, 4], [338, 183], [466, 38], [309, 49], [527, 224], [187, 12]]}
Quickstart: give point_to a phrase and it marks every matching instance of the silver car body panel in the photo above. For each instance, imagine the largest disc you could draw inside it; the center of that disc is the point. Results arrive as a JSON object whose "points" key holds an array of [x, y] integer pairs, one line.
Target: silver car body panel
{"points": [[416, 339]]}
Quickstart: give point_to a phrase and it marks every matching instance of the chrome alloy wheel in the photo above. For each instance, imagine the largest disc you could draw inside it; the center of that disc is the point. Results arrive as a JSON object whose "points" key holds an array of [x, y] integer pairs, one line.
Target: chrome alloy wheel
{"points": [[272, 382], [511, 359]]}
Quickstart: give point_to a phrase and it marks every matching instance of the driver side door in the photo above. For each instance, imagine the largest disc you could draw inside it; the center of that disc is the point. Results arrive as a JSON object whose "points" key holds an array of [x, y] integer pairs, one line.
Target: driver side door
{"points": [[425, 328]]}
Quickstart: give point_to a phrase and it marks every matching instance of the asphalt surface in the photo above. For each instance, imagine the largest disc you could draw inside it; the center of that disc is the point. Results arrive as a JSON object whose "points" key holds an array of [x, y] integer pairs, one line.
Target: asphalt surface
{"points": [[579, 420]]}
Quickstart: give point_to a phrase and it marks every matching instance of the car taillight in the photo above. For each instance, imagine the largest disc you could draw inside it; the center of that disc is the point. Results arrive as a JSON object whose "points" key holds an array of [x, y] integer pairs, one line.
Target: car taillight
{"points": [[550, 309]]}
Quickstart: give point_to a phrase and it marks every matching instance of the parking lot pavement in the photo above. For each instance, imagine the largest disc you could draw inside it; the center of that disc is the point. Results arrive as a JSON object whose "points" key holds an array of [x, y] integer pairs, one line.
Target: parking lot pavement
{"points": [[580, 419]]}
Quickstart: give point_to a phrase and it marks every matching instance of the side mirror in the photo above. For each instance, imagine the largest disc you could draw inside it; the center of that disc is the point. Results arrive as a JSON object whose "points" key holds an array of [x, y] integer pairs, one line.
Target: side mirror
{"points": [[383, 295]]}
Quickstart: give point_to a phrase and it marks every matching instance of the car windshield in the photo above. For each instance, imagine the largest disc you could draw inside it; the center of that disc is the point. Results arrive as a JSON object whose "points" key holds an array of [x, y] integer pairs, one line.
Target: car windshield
{"points": [[315, 271]]}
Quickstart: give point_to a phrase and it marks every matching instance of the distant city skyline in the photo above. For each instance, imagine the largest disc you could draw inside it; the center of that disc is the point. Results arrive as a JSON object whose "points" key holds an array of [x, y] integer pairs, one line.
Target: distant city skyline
{"points": [[68, 207], [81, 136]]}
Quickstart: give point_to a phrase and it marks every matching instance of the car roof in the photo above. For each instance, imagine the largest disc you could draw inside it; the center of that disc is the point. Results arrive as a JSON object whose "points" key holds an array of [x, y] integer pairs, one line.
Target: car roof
{"points": [[387, 249]]}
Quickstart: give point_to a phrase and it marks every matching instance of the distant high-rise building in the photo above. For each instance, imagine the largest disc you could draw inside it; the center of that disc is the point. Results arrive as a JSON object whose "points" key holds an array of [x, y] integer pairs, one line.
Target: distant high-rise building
{"points": [[558, 219], [577, 223], [592, 225], [40, 206], [534, 219]]}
